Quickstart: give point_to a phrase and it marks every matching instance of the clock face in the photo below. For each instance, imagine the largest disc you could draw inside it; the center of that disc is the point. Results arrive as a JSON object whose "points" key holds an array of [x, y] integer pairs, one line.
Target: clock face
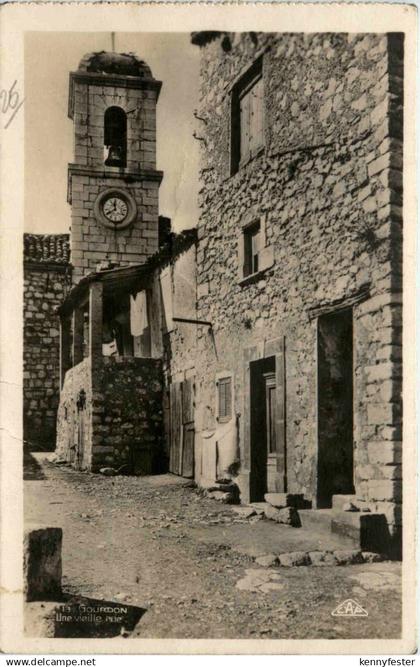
{"points": [[115, 209]]}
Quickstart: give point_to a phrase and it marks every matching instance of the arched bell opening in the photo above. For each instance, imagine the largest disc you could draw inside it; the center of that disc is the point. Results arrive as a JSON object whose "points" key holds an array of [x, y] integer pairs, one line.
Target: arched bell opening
{"points": [[115, 137]]}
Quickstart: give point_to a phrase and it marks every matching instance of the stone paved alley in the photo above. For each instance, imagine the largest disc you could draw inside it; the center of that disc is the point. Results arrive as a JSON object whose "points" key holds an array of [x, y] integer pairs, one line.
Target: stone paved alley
{"points": [[190, 561]]}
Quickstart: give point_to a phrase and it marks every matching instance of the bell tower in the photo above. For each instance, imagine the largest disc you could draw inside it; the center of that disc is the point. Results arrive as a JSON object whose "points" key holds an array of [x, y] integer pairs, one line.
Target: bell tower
{"points": [[113, 184]]}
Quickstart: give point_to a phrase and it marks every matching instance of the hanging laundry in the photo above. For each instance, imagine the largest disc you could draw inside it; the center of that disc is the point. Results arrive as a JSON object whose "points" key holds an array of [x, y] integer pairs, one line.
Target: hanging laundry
{"points": [[138, 313]]}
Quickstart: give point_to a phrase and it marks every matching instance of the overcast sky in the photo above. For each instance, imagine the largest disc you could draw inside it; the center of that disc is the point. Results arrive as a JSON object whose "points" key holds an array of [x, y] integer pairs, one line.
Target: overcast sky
{"points": [[49, 57]]}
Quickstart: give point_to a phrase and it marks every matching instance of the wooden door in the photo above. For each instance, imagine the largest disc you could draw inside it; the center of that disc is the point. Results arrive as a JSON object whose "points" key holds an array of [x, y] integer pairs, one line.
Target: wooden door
{"points": [[175, 399], [260, 369], [270, 430], [187, 428], [267, 426], [182, 431]]}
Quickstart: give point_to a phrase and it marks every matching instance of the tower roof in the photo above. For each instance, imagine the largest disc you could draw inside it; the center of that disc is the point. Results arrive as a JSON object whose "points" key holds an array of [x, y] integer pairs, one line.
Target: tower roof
{"points": [[105, 68], [120, 64]]}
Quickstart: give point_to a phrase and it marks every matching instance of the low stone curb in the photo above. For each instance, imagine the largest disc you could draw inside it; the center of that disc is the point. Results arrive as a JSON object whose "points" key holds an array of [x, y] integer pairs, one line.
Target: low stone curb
{"points": [[318, 558]]}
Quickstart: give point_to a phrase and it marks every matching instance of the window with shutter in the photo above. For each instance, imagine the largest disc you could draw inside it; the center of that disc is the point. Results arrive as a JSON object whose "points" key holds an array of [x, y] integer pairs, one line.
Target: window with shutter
{"points": [[225, 399], [256, 116], [247, 123]]}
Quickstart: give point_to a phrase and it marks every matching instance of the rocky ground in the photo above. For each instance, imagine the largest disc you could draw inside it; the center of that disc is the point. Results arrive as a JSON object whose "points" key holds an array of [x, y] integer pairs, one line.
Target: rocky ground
{"points": [[189, 561]]}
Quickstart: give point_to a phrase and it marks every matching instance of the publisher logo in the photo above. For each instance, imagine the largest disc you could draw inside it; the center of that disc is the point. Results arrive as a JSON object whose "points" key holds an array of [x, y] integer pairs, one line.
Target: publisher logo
{"points": [[349, 608]]}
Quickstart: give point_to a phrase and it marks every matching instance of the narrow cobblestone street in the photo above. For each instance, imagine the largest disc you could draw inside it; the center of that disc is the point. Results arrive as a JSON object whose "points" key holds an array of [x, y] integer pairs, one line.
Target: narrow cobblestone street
{"points": [[189, 561]]}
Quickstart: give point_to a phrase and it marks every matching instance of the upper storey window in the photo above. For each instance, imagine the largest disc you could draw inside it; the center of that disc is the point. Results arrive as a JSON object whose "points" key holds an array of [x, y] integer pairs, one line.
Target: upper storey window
{"points": [[115, 137], [247, 116], [252, 246]]}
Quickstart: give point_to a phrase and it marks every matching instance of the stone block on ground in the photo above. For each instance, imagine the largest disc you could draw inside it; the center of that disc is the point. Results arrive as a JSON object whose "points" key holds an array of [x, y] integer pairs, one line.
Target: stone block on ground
{"points": [[294, 559], [368, 530], [42, 565], [267, 560], [244, 511], [370, 557], [225, 497], [260, 508], [348, 557], [322, 558], [281, 500], [287, 515]]}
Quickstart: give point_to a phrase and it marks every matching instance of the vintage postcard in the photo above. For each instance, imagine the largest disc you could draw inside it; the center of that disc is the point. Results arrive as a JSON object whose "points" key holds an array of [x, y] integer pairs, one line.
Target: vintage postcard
{"points": [[208, 328]]}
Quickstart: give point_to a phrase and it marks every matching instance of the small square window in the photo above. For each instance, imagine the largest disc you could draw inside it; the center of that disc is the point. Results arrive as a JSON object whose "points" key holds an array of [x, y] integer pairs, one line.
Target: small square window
{"points": [[247, 123], [252, 246], [224, 388]]}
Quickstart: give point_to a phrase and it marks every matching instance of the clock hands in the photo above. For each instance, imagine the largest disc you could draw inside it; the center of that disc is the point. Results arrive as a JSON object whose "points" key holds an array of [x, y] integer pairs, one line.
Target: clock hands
{"points": [[115, 209]]}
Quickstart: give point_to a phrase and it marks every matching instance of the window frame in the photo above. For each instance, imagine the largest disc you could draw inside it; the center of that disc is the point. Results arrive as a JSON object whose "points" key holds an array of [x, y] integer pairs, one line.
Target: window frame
{"points": [[224, 379], [250, 259]]}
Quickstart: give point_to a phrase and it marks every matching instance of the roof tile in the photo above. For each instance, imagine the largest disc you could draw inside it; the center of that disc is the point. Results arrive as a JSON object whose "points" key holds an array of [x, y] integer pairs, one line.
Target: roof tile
{"points": [[46, 248]]}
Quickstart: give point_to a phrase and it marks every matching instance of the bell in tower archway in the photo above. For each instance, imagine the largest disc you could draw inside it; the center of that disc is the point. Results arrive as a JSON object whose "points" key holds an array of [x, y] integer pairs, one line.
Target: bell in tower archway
{"points": [[114, 156], [115, 137]]}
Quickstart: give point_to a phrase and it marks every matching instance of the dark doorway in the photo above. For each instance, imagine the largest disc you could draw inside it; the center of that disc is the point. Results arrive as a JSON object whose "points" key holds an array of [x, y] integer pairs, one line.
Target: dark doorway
{"points": [[78, 454], [263, 427], [335, 406]]}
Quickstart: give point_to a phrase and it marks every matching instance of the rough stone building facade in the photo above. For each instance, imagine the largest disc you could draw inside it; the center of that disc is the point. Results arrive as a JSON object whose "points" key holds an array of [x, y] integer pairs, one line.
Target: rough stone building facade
{"points": [[299, 267], [47, 278]]}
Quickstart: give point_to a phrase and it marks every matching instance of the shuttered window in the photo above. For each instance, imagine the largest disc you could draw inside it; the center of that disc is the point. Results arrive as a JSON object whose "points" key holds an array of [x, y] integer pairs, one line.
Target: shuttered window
{"points": [[224, 387], [247, 127], [251, 119]]}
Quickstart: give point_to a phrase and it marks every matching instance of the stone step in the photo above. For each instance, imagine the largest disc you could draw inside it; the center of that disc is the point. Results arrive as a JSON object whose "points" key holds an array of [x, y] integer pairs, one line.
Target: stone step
{"points": [[260, 507], [280, 500], [339, 502], [367, 531], [319, 519]]}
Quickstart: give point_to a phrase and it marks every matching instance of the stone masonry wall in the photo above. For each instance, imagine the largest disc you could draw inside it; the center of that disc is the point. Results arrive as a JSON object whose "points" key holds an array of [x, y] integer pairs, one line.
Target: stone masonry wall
{"points": [[44, 289], [181, 341], [128, 423], [92, 242], [90, 104], [122, 416], [327, 190]]}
